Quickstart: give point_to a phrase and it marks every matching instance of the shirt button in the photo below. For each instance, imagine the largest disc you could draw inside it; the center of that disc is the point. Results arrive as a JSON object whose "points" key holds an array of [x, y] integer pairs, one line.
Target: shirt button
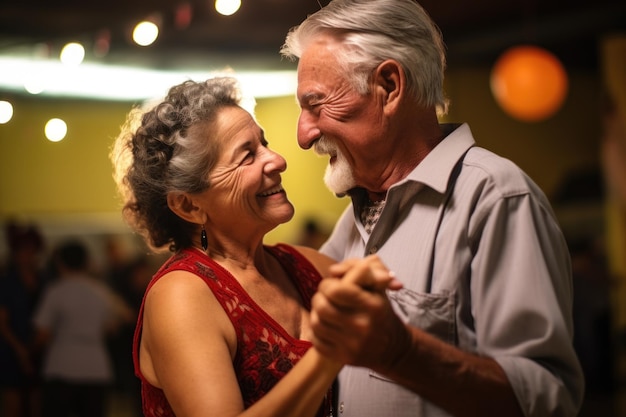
{"points": [[341, 405], [373, 250]]}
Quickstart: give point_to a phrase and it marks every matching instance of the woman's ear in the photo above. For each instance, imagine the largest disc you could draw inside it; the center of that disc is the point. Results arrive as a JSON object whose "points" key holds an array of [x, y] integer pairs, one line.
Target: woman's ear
{"points": [[390, 79], [184, 206]]}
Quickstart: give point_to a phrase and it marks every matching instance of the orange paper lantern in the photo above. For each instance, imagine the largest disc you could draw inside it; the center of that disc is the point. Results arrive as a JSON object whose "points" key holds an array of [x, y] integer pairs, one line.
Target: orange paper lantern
{"points": [[529, 83]]}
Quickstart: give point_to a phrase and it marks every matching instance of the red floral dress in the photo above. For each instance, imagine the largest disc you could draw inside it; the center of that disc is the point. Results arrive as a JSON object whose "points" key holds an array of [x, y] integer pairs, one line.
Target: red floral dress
{"points": [[265, 351]]}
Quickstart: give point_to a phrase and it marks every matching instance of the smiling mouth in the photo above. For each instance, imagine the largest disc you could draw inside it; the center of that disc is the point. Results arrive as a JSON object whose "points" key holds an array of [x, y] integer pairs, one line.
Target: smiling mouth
{"points": [[275, 190]]}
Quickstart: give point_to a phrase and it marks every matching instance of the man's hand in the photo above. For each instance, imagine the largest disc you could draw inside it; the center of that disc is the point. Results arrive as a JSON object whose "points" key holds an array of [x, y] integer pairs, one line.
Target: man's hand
{"points": [[352, 318]]}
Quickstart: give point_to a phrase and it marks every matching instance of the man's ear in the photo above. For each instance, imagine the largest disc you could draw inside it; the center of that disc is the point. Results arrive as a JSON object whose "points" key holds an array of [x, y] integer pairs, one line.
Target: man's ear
{"points": [[389, 77], [184, 206]]}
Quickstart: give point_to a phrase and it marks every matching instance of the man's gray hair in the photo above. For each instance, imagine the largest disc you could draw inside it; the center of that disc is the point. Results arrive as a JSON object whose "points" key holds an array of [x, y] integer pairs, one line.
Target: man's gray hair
{"points": [[372, 31]]}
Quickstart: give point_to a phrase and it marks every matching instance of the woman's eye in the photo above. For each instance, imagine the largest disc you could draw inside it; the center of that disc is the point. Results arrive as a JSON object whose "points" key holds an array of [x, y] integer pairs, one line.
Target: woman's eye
{"points": [[249, 156]]}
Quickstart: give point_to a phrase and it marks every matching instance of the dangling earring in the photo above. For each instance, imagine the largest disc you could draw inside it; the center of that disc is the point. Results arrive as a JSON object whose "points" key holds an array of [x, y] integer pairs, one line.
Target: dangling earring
{"points": [[203, 240]]}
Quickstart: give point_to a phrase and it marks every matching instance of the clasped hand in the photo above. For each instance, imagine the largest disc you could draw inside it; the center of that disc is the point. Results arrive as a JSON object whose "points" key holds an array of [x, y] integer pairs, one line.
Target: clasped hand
{"points": [[352, 319]]}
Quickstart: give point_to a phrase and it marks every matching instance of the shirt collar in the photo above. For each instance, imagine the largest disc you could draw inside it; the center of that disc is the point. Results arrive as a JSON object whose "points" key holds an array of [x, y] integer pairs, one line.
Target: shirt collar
{"points": [[434, 171]]}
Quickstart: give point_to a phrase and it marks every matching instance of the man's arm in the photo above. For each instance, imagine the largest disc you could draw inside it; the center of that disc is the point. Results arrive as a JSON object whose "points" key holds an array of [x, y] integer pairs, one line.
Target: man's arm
{"points": [[359, 327]]}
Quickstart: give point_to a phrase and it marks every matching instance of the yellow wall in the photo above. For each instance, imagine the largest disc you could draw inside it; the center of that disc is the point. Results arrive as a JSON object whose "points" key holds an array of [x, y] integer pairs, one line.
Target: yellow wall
{"points": [[546, 150], [68, 185], [41, 177], [305, 169], [70, 182]]}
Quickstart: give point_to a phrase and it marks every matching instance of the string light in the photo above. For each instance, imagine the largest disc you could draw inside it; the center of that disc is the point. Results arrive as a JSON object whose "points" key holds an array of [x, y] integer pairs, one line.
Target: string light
{"points": [[227, 7], [6, 111], [183, 16], [102, 44], [145, 33], [55, 130], [72, 54], [40, 75], [34, 83]]}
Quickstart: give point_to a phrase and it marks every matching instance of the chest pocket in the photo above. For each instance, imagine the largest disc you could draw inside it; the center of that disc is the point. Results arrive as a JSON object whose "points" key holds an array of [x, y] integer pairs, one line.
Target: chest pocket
{"points": [[433, 313]]}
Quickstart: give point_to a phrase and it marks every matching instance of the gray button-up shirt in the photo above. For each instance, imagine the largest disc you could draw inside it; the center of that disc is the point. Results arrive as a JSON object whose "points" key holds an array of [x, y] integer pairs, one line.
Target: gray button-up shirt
{"points": [[485, 267]]}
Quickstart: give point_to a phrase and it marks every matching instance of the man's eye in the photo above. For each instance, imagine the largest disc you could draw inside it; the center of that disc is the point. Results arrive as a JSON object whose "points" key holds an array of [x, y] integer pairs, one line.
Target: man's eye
{"points": [[315, 108]]}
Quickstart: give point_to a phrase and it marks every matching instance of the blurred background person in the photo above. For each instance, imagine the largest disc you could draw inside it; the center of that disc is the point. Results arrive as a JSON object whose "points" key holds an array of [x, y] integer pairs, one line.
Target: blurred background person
{"points": [[130, 283], [312, 234], [76, 313], [21, 281]]}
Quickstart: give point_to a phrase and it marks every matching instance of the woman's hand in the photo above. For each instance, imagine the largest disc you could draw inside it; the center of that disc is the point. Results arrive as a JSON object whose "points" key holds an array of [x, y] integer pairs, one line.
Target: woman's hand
{"points": [[352, 319], [369, 273]]}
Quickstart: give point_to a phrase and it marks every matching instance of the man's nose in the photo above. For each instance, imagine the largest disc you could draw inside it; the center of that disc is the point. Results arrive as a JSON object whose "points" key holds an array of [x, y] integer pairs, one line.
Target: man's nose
{"points": [[308, 132]]}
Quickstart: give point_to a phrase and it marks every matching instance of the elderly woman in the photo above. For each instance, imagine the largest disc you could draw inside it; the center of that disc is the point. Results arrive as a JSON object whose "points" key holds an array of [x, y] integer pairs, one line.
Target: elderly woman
{"points": [[224, 326]]}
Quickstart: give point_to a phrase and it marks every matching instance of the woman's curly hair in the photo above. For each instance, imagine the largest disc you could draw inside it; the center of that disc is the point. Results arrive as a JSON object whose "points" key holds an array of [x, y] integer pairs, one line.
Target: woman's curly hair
{"points": [[169, 148]]}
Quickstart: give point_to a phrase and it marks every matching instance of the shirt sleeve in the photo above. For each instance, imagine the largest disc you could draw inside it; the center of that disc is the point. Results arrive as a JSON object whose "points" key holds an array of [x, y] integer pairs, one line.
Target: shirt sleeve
{"points": [[522, 304]]}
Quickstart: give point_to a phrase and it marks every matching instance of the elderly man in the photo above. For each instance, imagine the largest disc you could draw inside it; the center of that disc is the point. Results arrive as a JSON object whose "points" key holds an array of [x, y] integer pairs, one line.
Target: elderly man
{"points": [[483, 325]]}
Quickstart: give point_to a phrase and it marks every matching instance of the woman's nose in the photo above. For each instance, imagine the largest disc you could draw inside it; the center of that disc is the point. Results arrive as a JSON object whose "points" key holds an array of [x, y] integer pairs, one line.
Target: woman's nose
{"points": [[276, 162]]}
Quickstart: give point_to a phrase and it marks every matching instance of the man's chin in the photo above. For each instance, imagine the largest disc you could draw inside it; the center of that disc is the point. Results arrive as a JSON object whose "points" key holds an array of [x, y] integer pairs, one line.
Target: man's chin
{"points": [[338, 183]]}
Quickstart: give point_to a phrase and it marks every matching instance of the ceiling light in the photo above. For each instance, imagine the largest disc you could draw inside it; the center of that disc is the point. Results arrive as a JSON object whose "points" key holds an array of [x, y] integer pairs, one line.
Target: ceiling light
{"points": [[118, 83]]}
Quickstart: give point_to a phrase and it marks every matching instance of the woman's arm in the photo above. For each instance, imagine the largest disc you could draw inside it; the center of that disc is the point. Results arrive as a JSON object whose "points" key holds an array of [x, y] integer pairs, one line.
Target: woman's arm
{"points": [[187, 349]]}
